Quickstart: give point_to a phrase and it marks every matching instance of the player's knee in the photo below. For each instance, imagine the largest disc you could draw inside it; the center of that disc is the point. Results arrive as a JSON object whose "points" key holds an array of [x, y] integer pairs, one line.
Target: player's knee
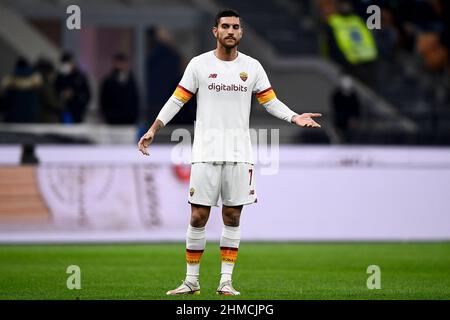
{"points": [[231, 219], [198, 220], [231, 216]]}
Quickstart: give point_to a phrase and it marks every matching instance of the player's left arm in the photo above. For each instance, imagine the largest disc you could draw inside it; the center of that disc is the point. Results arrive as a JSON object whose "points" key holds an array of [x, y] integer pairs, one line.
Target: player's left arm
{"points": [[278, 109]]}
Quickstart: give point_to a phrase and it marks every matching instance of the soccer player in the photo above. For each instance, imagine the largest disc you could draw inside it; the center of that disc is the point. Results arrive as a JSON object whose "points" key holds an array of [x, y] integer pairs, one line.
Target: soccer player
{"points": [[224, 80]]}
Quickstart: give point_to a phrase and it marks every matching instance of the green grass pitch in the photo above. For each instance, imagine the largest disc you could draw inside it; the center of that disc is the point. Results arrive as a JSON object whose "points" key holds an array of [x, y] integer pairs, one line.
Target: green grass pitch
{"points": [[263, 271]]}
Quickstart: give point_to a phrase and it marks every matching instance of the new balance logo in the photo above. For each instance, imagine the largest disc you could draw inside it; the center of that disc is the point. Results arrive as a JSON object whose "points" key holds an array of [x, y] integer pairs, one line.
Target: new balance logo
{"points": [[213, 75]]}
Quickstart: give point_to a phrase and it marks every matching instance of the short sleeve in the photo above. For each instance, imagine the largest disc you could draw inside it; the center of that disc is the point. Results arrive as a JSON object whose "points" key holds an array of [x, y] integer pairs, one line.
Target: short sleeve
{"points": [[262, 81], [190, 80], [262, 88]]}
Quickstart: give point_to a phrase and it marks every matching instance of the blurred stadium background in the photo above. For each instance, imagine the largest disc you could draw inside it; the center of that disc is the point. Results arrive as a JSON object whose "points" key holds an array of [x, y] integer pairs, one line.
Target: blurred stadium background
{"points": [[74, 102]]}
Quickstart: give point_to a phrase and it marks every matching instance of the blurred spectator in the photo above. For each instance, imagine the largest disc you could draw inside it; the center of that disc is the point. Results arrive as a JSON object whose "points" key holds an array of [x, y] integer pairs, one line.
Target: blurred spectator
{"points": [[430, 48], [119, 100], [20, 94], [387, 36], [419, 15], [163, 72], [326, 8], [72, 88], [346, 108], [350, 43], [50, 105]]}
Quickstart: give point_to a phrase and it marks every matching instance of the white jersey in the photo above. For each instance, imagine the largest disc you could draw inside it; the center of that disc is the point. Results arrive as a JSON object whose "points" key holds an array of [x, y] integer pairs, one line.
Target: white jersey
{"points": [[224, 90]]}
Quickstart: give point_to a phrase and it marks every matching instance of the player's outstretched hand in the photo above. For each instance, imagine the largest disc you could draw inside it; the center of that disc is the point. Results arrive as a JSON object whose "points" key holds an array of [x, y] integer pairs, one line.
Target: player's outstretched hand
{"points": [[306, 120], [145, 141]]}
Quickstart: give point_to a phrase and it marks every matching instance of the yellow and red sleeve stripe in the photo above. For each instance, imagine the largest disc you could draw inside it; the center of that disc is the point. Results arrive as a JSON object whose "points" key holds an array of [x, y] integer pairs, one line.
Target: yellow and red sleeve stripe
{"points": [[182, 94], [229, 254], [266, 95], [193, 256]]}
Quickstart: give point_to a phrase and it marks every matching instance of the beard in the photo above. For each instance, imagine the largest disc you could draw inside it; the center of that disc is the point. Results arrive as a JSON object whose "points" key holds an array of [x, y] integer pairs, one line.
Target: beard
{"points": [[228, 44]]}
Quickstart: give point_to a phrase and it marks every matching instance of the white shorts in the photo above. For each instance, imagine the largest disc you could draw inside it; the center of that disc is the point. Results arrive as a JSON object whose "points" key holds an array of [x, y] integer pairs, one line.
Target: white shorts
{"points": [[234, 182]]}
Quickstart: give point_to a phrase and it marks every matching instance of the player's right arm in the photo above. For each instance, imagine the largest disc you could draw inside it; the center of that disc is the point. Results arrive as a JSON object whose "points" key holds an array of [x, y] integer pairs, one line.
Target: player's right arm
{"points": [[183, 92], [148, 137]]}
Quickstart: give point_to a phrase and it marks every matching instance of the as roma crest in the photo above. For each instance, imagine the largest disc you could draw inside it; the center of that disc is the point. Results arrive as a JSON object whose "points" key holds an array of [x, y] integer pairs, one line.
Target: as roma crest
{"points": [[243, 76], [191, 191]]}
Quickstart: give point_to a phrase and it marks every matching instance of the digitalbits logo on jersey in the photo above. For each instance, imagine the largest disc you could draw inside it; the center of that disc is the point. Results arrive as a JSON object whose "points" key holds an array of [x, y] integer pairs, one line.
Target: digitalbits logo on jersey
{"points": [[243, 76], [227, 87]]}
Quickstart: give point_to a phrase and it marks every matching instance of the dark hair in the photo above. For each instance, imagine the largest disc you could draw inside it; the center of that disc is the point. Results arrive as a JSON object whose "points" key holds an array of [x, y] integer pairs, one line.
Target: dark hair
{"points": [[44, 66], [225, 13], [22, 67], [22, 63], [66, 57]]}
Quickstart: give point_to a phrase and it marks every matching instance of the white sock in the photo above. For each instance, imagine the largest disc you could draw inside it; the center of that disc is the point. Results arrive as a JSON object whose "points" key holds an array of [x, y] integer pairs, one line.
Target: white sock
{"points": [[195, 245], [229, 244]]}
